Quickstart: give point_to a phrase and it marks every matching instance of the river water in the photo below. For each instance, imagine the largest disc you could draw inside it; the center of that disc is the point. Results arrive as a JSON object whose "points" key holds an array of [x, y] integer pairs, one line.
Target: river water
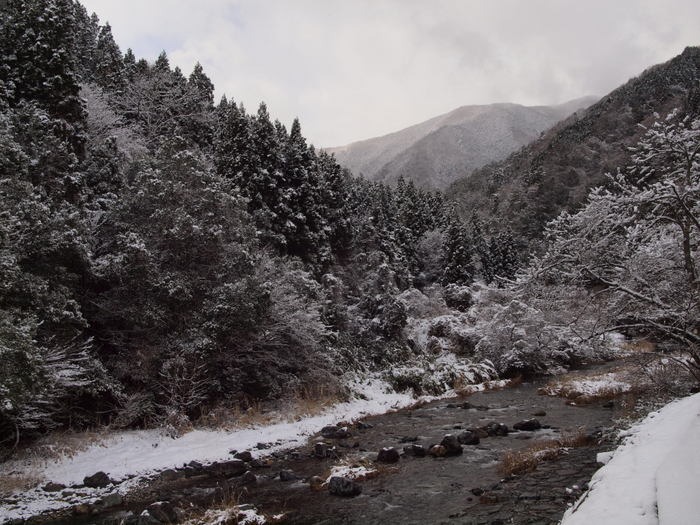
{"points": [[463, 489], [444, 490]]}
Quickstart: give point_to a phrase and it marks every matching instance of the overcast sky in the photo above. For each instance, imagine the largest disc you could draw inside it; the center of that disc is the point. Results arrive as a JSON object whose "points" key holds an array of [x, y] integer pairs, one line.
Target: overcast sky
{"points": [[354, 69]]}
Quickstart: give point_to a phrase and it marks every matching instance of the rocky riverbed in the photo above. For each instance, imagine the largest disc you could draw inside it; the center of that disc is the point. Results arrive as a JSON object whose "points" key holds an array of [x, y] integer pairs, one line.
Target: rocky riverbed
{"points": [[423, 477], [463, 488]]}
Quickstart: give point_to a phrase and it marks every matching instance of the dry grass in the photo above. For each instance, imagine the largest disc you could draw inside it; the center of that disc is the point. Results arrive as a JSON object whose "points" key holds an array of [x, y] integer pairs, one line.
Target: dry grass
{"points": [[517, 462], [571, 388], [306, 403], [602, 394], [466, 389], [60, 444], [229, 510], [637, 346], [229, 418], [514, 381], [13, 483], [311, 402]]}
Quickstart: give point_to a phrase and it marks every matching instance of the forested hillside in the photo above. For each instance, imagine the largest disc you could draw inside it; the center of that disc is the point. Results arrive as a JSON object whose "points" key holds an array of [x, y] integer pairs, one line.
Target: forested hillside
{"points": [[556, 171], [162, 254]]}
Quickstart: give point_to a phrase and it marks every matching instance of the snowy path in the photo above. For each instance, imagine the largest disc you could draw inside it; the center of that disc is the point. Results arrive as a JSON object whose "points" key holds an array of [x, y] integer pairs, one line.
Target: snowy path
{"points": [[653, 478]]}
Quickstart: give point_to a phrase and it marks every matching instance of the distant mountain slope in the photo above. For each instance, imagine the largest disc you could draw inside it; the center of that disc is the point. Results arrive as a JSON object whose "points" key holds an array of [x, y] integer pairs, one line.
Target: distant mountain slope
{"points": [[436, 152], [556, 171]]}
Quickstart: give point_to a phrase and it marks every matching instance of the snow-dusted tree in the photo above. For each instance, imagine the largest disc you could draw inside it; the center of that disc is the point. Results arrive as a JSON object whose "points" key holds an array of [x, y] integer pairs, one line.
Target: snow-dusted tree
{"points": [[87, 28], [334, 195], [200, 82], [177, 234], [162, 103], [129, 65], [37, 64], [634, 246], [109, 69], [233, 157], [458, 254], [301, 213], [502, 256], [520, 338], [484, 264]]}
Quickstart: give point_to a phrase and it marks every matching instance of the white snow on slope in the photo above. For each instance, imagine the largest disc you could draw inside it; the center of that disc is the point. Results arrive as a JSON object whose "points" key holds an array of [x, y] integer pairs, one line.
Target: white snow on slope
{"points": [[658, 465], [138, 453]]}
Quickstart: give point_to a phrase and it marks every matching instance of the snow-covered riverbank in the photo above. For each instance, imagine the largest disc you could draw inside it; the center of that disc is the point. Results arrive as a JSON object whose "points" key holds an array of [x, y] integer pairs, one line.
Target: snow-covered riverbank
{"points": [[129, 456], [653, 478]]}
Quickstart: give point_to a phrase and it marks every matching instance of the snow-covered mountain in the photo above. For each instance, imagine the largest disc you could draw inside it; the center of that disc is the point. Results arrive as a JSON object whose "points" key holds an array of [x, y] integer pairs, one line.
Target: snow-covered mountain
{"points": [[438, 151]]}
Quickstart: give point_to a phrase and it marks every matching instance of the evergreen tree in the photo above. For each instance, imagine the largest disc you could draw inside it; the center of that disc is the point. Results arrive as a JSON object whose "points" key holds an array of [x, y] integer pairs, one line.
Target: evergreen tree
{"points": [[202, 86], [264, 184], [232, 144], [129, 65], [110, 68], [458, 254], [482, 249], [335, 196], [200, 108], [87, 29], [176, 269], [299, 210], [162, 63], [503, 255], [38, 63]]}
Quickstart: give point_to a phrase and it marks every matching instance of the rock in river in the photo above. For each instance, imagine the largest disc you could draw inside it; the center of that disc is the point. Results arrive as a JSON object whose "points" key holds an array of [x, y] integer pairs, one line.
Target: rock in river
{"points": [[468, 437], [388, 455], [496, 429], [451, 444], [344, 487], [528, 425], [415, 450]]}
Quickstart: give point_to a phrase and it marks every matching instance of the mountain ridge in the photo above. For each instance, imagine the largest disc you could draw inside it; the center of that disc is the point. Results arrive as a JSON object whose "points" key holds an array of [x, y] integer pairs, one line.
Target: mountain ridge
{"points": [[435, 152], [556, 171]]}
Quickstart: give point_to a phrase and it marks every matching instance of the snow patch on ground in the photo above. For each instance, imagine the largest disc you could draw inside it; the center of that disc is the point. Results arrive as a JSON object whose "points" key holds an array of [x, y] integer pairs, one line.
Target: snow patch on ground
{"points": [[240, 515], [140, 453], [587, 386], [346, 471], [656, 467]]}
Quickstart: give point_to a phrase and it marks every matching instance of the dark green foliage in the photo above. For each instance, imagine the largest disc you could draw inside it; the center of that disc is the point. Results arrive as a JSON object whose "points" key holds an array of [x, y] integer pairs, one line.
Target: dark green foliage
{"points": [[163, 104], [109, 70], [129, 65], [173, 263], [556, 171], [458, 254], [37, 64], [335, 187], [481, 249], [503, 256], [203, 86], [160, 255], [87, 28]]}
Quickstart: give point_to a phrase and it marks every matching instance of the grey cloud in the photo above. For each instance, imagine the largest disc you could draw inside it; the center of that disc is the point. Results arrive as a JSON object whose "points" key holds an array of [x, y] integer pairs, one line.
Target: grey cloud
{"points": [[355, 69]]}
